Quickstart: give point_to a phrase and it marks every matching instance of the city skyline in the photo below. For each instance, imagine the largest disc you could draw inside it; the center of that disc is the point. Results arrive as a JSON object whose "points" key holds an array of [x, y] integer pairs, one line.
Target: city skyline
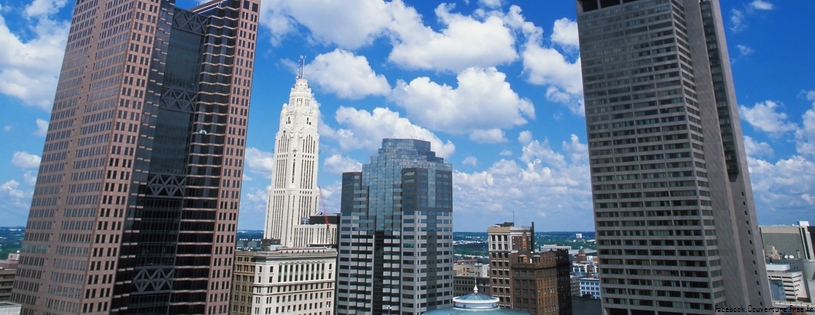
{"points": [[355, 74]]}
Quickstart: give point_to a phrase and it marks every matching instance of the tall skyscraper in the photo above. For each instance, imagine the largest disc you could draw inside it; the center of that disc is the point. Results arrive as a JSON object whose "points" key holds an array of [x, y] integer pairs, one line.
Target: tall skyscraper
{"points": [[294, 195], [396, 233], [137, 196], [504, 239], [676, 224], [296, 276]]}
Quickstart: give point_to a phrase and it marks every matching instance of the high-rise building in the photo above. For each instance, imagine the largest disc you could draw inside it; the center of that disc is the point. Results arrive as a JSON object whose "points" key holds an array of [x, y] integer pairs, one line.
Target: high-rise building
{"points": [[541, 282], [294, 195], [396, 233], [137, 195], [673, 204], [504, 239], [297, 275]]}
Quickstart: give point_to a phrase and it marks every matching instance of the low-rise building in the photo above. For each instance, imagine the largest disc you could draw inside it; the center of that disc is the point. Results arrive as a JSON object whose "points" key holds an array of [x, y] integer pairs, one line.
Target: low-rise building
{"points": [[589, 286], [794, 240], [505, 239], [284, 280], [783, 279], [541, 283], [8, 308], [8, 268], [474, 270]]}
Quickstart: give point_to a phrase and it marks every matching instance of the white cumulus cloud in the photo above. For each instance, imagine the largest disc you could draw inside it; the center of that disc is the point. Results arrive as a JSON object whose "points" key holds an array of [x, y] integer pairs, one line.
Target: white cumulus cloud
{"points": [[565, 33], [362, 129], [737, 20], [43, 7], [348, 76], [339, 164], [259, 162], [765, 117], [483, 100], [805, 135], [24, 160], [781, 188], [349, 24], [761, 5], [527, 190], [755, 148], [30, 63], [525, 137], [745, 50], [549, 67], [470, 160], [42, 128], [491, 3], [464, 43], [494, 135], [11, 188]]}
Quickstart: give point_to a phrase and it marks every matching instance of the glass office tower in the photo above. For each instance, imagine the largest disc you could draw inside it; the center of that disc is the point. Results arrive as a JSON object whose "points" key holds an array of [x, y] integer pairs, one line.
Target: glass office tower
{"points": [[676, 224], [396, 233], [137, 196]]}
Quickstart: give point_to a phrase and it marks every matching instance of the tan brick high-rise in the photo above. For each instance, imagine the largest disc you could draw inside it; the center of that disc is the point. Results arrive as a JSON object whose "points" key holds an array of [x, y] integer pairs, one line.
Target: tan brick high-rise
{"points": [[137, 197]]}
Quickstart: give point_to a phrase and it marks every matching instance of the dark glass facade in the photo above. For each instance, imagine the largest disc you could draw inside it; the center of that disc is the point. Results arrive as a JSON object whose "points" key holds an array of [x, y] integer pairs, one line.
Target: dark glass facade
{"points": [[396, 232], [146, 198]]}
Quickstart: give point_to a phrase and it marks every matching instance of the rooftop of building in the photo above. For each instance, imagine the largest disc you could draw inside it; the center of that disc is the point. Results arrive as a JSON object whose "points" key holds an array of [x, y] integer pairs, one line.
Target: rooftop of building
{"points": [[475, 303]]}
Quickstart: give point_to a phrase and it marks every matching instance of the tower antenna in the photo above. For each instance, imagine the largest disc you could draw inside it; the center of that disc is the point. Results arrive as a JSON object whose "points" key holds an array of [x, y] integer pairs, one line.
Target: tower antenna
{"points": [[322, 202], [301, 66]]}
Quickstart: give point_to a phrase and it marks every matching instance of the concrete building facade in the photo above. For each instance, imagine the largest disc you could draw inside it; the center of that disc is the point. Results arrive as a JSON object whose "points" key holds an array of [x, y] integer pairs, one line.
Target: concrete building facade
{"points": [[296, 281], [8, 268], [504, 239], [674, 210], [137, 195], [589, 286], [396, 233], [795, 240], [475, 270], [792, 282]]}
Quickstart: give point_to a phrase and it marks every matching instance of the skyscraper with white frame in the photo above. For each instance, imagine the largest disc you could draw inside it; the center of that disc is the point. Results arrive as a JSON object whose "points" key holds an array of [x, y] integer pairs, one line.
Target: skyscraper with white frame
{"points": [[294, 195], [296, 276]]}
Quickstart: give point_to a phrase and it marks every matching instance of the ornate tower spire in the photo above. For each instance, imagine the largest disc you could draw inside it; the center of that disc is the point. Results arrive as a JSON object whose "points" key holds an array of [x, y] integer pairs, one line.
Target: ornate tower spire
{"points": [[301, 65], [293, 196]]}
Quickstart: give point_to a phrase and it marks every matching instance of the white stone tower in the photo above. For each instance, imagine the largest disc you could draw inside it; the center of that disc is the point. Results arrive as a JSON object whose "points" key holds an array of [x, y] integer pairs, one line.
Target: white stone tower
{"points": [[293, 196]]}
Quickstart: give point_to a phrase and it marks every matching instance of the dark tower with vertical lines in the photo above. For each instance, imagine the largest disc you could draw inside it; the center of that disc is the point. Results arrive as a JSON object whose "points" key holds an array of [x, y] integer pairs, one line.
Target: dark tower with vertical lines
{"points": [[136, 202]]}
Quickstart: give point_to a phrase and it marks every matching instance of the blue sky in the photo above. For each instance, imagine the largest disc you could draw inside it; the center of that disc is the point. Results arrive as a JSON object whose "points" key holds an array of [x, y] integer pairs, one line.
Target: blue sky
{"points": [[493, 84]]}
